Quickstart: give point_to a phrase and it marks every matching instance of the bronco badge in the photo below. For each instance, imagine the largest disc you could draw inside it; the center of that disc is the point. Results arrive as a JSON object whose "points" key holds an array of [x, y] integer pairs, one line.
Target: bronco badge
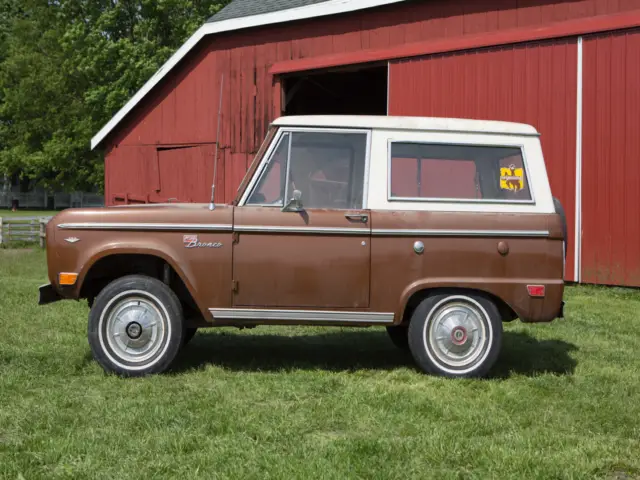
{"points": [[191, 241]]}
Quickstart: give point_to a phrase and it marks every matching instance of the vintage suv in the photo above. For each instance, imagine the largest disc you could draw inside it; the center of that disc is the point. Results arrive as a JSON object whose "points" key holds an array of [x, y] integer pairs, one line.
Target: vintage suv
{"points": [[437, 229]]}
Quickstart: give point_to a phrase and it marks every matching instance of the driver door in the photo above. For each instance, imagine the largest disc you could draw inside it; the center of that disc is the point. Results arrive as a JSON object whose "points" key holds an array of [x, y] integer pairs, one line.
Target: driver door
{"points": [[318, 254]]}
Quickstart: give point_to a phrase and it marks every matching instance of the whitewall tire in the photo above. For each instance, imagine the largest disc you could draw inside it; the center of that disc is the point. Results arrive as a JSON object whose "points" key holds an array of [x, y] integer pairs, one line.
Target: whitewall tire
{"points": [[136, 326], [456, 334]]}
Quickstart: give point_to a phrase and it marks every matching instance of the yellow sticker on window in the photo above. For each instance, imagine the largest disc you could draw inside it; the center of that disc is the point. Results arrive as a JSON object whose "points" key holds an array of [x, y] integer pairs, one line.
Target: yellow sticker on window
{"points": [[512, 178]]}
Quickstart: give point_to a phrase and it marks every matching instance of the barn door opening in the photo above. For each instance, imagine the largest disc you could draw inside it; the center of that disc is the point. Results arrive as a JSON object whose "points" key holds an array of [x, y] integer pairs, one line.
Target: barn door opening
{"points": [[351, 91]]}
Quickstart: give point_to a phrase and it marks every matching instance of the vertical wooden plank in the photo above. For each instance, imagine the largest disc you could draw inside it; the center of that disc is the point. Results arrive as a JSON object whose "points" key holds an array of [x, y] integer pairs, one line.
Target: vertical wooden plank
{"points": [[581, 8], [474, 20], [554, 12], [589, 166], [453, 21], [611, 223], [223, 60], [508, 15], [624, 5], [631, 155], [529, 13], [108, 193], [235, 110]]}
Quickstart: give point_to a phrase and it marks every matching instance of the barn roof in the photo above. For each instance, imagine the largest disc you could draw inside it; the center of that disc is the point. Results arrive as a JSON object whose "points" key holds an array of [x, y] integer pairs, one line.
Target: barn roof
{"points": [[242, 14], [247, 8]]}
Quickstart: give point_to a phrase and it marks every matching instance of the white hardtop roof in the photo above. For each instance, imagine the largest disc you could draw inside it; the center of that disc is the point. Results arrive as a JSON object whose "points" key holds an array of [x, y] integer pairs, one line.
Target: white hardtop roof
{"points": [[407, 123], [330, 7]]}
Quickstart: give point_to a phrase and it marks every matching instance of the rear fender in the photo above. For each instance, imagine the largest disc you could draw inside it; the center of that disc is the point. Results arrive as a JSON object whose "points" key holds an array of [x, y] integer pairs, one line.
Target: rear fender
{"points": [[512, 293]]}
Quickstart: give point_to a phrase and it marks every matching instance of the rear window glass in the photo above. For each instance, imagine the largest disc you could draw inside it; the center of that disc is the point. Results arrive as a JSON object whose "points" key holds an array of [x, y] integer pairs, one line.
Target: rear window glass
{"points": [[426, 171]]}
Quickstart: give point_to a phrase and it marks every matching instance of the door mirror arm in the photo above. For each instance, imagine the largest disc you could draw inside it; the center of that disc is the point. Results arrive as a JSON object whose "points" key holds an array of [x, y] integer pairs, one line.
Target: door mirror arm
{"points": [[295, 204]]}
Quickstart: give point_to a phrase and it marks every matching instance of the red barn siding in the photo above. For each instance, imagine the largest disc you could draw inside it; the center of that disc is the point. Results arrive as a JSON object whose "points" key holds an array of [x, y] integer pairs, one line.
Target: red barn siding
{"points": [[611, 159], [186, 173], [130, 169], [183, 109], [150, 174], [532, 83]]}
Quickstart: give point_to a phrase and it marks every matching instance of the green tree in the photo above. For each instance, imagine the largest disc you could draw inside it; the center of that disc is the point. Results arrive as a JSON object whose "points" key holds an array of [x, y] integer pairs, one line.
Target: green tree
{"points": [[67, 66]]}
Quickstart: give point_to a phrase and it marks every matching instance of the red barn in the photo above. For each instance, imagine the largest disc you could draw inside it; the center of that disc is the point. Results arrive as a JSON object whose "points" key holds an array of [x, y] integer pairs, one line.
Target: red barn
{"points": [[571, 68]]}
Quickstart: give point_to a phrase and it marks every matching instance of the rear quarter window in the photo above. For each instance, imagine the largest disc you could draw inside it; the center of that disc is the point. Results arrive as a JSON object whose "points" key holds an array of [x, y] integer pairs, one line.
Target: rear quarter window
{"points": [[442, 172]]}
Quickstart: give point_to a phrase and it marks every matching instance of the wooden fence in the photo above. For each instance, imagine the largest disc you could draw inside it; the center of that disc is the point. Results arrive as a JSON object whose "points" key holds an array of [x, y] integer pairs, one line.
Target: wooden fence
{"points": [[23, 229]]}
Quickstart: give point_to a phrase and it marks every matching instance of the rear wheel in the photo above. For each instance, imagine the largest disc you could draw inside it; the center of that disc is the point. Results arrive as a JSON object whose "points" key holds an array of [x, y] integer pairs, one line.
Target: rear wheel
{"points": [[135, 326], [456, 335]]}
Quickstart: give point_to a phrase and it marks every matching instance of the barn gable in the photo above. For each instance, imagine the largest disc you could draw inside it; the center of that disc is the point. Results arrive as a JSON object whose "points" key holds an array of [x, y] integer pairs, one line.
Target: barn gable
{"points": [[293, 12]]}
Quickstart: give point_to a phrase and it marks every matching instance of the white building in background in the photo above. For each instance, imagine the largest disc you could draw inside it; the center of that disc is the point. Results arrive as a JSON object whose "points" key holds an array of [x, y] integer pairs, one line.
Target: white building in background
{"points": [[13, 192]]}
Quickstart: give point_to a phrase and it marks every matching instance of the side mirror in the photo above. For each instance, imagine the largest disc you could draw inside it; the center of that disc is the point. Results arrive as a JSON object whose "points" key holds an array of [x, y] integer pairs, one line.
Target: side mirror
{"points": [[295, 204]]}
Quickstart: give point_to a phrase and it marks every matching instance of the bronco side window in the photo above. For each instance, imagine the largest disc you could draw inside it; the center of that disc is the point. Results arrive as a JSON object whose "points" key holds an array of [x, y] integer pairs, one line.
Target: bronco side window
{"points": [[328, 169], [441, 172]]}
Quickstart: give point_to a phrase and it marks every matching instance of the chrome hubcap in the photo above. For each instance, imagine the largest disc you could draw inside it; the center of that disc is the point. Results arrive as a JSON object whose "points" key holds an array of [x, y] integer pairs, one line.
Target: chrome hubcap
{"points": [[457, 334], [135, 329]]}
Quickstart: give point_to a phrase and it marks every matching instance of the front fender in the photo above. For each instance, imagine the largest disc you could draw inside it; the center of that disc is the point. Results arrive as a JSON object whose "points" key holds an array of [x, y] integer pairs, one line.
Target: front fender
{"points": [[206, 272], [98, 255]]}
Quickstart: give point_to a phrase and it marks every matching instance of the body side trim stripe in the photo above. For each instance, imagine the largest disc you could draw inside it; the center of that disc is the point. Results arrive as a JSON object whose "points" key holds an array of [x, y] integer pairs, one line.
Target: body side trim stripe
{"points": [[301, 315], [306, 230], [147, 226], [459, 233], [302, 230], [393, 232]]}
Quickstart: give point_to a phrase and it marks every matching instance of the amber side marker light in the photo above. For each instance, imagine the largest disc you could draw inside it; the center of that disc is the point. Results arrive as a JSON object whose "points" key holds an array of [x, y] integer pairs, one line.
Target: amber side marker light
{"points": [[67, 278], [536, 290]]}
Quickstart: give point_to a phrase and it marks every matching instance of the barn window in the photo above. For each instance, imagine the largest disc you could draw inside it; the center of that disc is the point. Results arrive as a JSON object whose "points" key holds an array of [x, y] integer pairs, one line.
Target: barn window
{"points": [[421, 171]]}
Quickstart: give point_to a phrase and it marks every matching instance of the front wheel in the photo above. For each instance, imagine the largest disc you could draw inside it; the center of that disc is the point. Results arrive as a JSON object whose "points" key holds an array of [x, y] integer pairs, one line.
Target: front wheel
{"points": [[136, 326], [456, 335]]}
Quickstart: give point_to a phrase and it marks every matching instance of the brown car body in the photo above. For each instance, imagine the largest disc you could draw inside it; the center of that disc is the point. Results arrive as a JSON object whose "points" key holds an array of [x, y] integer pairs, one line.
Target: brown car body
{"points": [[243, 265], [313, 271]]}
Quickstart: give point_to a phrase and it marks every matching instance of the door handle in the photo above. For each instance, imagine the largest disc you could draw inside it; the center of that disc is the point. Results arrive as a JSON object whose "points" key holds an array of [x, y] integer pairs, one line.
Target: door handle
{"points": [[357, 217]]}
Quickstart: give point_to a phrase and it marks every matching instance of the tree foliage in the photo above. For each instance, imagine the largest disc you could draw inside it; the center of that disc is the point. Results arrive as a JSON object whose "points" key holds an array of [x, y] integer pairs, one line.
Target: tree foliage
{"points": [[66, 67]]}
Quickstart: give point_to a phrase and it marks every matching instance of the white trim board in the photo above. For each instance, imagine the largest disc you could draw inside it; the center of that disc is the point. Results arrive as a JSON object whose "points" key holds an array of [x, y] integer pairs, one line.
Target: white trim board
{"points": [[577, 250], [330, 7]]}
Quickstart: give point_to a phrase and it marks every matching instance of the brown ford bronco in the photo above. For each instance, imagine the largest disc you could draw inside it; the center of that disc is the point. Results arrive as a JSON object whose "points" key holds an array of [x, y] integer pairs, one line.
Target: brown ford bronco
{"points": [[437, 229]]}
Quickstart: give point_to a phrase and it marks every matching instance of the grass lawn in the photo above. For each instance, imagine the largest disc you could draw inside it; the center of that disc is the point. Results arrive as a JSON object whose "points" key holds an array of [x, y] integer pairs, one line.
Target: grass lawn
{"points": [[27, 213], [298, 403]]}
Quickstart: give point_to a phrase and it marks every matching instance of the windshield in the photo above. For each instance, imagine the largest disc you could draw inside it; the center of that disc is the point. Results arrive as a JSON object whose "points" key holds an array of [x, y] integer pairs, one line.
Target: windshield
{"points": [[256, 161]]}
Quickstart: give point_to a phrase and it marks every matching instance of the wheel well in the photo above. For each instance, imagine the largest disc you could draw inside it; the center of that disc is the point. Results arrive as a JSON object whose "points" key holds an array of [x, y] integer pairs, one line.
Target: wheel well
{"points": [[506, 312], [112, 267]]}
